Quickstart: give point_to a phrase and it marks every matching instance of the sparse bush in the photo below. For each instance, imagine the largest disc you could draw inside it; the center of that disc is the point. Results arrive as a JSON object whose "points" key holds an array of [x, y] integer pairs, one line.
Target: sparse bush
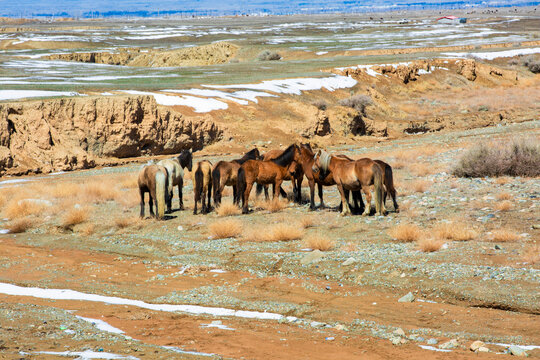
{"points": [[532, 254], [75, 217], [87, 229], [513, 62], [517, 158], [320, 104], [21, 208], [454, 231], [406, 233], [267, 55], [358, 102], [533, 64], [319, 242], [225, 229], [504, 196], [504, 235], [504, 206], [307, 221], [279, 232], [19, 225], [227, 209], [124, 222], [429, 244], [274, 205], [420, 186]]}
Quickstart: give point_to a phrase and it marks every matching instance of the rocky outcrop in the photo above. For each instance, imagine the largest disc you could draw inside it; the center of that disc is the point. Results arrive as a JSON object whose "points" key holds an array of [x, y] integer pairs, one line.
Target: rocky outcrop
{"points": [[467, 68], [211, 54], [320, 127], [72, 133]]}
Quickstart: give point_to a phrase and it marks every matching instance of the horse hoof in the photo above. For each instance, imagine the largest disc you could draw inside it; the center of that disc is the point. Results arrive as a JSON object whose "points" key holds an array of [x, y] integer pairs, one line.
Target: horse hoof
{"points": [[397, 210], [245, 211]]}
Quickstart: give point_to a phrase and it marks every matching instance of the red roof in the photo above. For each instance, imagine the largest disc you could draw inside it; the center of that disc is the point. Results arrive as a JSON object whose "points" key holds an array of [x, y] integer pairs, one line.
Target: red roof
{"points": [[451, 17]]}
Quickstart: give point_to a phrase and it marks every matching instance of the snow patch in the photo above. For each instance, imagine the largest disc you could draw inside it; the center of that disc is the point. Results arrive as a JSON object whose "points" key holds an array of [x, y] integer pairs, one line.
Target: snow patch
{"points": [[198, 104], [495, 54], [22, 94], [433, 348], [101, 325], [87, 355]]}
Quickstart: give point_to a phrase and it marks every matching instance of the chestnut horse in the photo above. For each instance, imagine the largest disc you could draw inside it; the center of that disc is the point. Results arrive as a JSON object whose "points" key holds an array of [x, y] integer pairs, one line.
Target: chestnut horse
{"points": [[388, 183], [352, 175], [153, 179], [202, 185], [175, 170], [295, 173], [224, 174], [265, 172], [306, 160]]}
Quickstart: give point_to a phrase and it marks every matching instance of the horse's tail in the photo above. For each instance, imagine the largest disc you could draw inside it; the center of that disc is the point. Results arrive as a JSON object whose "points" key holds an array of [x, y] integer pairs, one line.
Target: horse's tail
{"points": [[378, 183], [161, 188], [199, 183], [241, 183], [216, 180]]}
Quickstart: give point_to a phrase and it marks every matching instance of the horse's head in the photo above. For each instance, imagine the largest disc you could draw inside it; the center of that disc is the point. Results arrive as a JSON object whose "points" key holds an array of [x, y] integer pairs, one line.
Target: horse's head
{"points": [[321, 163], [316, 167], [297, 154], [186, 159]]}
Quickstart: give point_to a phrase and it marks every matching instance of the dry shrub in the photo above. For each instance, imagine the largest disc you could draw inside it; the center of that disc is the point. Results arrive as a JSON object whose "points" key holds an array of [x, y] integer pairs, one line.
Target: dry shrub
{"points": [[516, 158], [358, 102], [307, 221], [406, 232], [532, 254], [19, 225], [75, 216], [319, 242], [65, 189], [228, 209], [21, 208], [504, 206], [320, 104], [420, 186], [429, 244], [502, 180], [267, 55], [225, 229], [99, 191], [504, 196], [504, 235], [421, 169], [454, 231], [129, 182], [532, 63], [279, 232], [124, 222], [87, 229], [274, 205]]}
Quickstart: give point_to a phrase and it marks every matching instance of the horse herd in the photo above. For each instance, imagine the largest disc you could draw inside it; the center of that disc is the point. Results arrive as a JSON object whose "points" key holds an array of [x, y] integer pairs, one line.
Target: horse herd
{"points": [[272, 168]]}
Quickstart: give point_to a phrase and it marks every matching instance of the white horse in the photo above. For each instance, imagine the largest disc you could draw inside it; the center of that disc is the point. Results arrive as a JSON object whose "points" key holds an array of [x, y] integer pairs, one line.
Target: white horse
{"points": [[175, 169]]}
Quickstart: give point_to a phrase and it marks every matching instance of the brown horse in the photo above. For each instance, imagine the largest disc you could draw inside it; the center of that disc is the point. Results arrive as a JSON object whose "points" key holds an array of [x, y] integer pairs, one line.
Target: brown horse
{"points": [[295, 173], [353, 175], [225, 173], [265, 173], [202, 185], [306, 160], [153, 179], [175, 170]]}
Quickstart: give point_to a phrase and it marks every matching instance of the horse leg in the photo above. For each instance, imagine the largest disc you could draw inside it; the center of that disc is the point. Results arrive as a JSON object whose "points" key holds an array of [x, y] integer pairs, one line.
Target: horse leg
{"points": [[141, 194], [180, 199], [235, 195], [367, 209], [299, 189], [245, 207], [266, 192], [320, 188], [209, 206], [393, 195], [197, 197], [311, 194], [276, 188], [151, 204], [346, 210]]}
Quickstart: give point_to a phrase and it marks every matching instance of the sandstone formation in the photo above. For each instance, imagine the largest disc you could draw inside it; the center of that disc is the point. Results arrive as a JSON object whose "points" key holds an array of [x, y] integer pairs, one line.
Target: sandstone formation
{"points": [[320, 127], [72, 133]]}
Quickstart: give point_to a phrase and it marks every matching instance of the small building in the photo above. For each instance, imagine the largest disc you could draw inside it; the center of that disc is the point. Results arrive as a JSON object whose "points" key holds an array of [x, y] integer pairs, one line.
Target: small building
{"points": [[451, 19]]}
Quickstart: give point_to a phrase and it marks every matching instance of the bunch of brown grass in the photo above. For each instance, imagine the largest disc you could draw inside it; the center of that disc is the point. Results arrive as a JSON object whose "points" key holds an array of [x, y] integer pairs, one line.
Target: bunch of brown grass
{"points": [[454, 231], [421, 186], [358, 102], [279, 232], [532, 254], [124, 222], [504, 196], [65, 189], [275, 205], [21, 208], [100, 191], [129, 182], [223, 229], [505, 235], [504, 206], [307, 221], [228, 209], [422, 169], [75, 216], [319, 242], [503, 180], [19, 225], [350, 247], [429, 244], [406, 232], [87, 229]]}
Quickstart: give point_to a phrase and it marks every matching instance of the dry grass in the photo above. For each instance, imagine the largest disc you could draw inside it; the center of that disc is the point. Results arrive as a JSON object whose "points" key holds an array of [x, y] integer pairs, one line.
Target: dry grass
{"points": [[429, 244], [454, 231], [532, 254], [21, 208], [350, 247], [504, 235], [223, 229], [130, 221], [422, 169], [420, 186], [99, 191], [227, 209], [279, 232], [19, 225], [62, 190], [504, 196], [504, 206], [75, 216], [273, 205], [405, 232], [87, 229], [319, 242], [129, 182], [308, 221], [503, 180]]}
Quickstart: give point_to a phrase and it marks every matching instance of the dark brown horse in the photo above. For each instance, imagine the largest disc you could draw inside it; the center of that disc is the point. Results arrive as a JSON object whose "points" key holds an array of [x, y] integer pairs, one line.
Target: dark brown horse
{"points": [[153, 179], [225, 173], [202, 185], [307, 160], [265, 173], [353, 175], [295, 173]]}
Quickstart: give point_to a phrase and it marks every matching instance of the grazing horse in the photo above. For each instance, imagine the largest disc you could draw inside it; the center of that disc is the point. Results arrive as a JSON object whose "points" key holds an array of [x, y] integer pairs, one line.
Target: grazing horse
{"points": [[153, 179], [353, 175], [265, 172], [175, 170], [295, 174], [202, 185], [225, 173], [306, 160]]}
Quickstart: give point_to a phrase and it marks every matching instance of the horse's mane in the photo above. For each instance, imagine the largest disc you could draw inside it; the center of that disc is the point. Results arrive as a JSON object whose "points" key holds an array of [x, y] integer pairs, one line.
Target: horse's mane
{"points": [[324, 160], [183, 158], [286, 156], [252, 154], [308, 148]]}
